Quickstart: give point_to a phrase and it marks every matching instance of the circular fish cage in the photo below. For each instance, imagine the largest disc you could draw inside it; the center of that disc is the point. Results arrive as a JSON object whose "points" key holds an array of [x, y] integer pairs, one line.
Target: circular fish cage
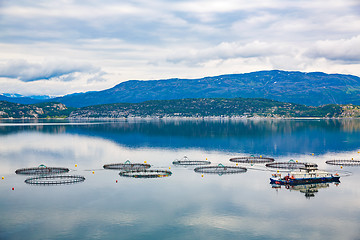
{"points": [[185, 161], [220, 169], [344, 162], [252, 159], [127, 166], [42, 170], [55, 180], [146, 173], [291, 165]]}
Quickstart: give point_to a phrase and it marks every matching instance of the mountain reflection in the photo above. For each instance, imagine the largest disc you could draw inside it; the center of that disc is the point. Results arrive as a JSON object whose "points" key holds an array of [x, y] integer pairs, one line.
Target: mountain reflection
{"points": [[269, 137]]}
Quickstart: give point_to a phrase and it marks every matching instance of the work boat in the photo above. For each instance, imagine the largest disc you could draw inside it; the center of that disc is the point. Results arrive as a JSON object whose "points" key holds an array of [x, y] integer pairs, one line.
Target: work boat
{"points": [[307, 174]]}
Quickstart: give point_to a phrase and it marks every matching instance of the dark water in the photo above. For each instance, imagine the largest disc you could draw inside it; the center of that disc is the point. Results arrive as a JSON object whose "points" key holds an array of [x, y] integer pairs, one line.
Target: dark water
{"points": [[184, 205]]}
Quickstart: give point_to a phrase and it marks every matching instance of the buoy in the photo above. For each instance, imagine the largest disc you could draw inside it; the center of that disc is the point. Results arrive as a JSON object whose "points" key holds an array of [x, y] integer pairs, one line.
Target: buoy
{"points": [[116, 181], [75, 165], [340, 166], [13, 189], [202, 175], [2, 178], [93, 172], [144, 161], [312, 154], [260, 156], [169, 167]]}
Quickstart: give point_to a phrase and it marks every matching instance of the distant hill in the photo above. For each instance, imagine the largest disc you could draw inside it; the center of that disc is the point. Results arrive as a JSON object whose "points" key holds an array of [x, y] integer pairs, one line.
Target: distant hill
{"points": [[204, 107], [312, 89], [191, 107], [40, 110]]}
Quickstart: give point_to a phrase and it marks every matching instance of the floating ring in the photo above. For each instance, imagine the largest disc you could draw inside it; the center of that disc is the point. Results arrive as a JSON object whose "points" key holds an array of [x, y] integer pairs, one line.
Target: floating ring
{"points": [[252, 159], [55, 180], [41, 170], [220, 169], [146, 173], [286, 165], [127, 166], [344, 162], [186, 162]]}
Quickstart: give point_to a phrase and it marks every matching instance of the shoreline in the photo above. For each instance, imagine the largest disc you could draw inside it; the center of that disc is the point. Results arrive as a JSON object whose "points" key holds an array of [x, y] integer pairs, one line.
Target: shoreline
{"points": [[219, 118]]}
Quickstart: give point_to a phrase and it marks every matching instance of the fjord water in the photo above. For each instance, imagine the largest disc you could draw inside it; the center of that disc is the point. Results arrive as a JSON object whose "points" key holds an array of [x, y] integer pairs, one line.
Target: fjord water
{"points": [[184, 205]]}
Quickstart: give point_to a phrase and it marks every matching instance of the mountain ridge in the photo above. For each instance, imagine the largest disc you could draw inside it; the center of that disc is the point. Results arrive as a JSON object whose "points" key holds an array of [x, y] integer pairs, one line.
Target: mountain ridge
{"points": [[312, 89]]}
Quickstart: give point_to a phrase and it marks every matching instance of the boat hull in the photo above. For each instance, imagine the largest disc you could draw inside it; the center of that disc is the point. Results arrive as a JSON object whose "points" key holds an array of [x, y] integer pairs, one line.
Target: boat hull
{"points": [[297, 181]]}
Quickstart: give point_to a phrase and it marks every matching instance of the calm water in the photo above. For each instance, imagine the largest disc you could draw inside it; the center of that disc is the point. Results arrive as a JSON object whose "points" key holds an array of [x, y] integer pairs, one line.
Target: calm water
{"points": [[184, 205]]}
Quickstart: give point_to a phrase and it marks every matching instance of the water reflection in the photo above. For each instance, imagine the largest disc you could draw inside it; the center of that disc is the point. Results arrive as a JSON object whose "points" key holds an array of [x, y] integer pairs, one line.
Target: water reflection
{"points": [[309, 190], [260, 137], [185, 205]]}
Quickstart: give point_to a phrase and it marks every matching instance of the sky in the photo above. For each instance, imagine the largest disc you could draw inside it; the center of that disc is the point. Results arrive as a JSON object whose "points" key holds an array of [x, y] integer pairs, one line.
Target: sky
{"points": [[65, 46]]}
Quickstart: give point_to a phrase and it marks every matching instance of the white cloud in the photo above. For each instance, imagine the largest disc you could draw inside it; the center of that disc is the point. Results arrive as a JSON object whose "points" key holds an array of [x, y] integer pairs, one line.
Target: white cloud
{"points": [[140, 39], [227, 50], [28, 72], [347, 50]]}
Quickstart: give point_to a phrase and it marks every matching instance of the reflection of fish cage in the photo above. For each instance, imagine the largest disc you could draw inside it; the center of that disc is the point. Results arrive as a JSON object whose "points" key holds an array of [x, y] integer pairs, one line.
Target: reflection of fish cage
{"points": [[41, 170], [220, 169], [55, 180], [252, 159], [187, 162], [344, 162], [146, 173], [127, 166], [291, 165]]}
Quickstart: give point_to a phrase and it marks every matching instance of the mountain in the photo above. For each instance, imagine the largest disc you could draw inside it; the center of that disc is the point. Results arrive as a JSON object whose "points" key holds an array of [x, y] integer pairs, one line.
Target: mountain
{"points": [[17, 98], [311, 89]]}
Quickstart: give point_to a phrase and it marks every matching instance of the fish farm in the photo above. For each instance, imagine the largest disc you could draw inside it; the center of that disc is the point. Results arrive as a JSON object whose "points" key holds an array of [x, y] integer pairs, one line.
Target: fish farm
{"points": [[252, 159], [127, 166], [146, 173], [187, 162], [344, 162], [220, 169], [49, 175], [55, 180], [41, 170]]}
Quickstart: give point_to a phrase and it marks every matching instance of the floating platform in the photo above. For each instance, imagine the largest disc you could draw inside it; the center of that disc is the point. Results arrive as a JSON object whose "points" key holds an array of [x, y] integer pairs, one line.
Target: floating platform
{"points": [[220, 169], [344, 162], [127, 166], [185, 161], [291, 165], [55, 180], [42, 170], [252, 159], [146, 173]]}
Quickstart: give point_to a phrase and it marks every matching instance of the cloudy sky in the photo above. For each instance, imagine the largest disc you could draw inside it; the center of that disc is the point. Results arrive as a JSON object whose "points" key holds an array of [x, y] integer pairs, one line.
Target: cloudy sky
{"points": [[65, 46]]}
